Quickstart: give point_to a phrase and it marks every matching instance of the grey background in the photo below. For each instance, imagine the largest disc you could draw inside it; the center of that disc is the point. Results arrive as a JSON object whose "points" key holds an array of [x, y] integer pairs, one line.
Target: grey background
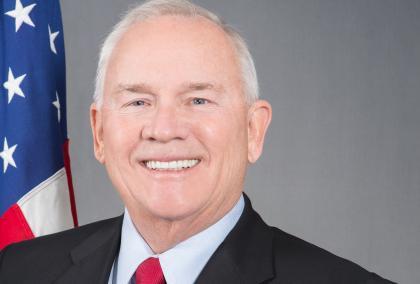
{"points": [[341, 166]]}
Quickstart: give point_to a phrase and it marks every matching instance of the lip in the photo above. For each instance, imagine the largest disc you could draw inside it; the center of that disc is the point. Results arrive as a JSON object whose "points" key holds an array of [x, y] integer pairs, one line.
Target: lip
{"points": [[170, 173], [170, 158]]}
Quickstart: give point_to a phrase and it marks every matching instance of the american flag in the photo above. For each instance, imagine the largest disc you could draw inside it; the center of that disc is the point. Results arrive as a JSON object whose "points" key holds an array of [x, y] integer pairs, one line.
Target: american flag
{"points": [[36, 195]]}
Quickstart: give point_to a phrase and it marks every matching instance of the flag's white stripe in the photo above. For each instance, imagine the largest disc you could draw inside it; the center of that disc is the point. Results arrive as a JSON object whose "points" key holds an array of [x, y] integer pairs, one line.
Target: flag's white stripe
{"points": [[47, 206]]}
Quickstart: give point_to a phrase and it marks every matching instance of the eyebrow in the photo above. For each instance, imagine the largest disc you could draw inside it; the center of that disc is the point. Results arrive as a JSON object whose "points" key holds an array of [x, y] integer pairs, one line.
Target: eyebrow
{"points": [[143, 88], [139, 88], [201, 86]]}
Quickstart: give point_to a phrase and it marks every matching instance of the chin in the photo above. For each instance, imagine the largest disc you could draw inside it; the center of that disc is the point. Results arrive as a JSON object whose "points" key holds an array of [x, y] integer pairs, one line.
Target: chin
{"points": [[172, 212], [174, 208]]}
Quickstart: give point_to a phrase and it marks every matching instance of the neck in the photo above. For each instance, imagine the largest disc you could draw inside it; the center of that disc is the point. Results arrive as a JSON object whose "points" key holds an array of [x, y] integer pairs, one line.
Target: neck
{"points": [[162, 234]]}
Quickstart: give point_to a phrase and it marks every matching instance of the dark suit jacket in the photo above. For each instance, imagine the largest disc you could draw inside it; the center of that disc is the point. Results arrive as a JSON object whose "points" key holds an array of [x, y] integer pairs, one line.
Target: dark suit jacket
{"points": [[253, 252]]}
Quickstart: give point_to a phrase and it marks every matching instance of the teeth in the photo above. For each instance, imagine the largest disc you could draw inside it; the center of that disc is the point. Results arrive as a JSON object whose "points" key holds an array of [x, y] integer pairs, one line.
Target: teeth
{"points": [[172, 165]]}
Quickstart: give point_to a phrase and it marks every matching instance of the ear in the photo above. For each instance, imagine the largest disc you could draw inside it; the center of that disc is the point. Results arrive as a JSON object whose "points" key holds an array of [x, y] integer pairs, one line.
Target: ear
{"points": [[259, 117], [97, 132]]}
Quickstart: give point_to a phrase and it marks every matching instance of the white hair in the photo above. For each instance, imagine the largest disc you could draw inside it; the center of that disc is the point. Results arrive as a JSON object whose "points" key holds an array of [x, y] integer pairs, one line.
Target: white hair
{"points": [[155, 8]]}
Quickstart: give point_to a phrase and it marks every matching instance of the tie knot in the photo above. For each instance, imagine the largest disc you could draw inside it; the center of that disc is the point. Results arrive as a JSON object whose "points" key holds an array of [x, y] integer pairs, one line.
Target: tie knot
{"points": [[150, 272]]}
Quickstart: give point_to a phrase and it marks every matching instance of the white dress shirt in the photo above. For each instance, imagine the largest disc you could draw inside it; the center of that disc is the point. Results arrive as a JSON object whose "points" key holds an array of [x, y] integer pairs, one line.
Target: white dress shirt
{"points": [[181, 264]]}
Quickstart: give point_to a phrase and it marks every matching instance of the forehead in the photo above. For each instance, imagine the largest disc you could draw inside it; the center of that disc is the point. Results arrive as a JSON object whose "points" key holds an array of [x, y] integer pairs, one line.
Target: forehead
{"points": [[188, 46], [196, 27]]}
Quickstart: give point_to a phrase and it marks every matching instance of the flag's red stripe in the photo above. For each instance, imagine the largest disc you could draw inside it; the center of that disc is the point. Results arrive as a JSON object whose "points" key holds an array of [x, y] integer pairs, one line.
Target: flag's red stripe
{"points": [[66, 157], [13, 227]]}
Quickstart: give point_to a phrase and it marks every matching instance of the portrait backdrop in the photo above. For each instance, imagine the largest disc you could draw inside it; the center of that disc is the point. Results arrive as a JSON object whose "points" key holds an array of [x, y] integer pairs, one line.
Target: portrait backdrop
{"points": [[341, 164]]}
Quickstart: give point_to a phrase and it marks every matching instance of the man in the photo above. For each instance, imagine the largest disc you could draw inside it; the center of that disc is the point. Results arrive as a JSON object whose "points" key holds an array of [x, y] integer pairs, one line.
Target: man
{"points": [[176, 120]]}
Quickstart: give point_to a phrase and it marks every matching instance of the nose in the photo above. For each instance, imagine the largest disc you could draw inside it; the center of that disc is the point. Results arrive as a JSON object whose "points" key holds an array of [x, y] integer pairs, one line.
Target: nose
{"points": [[165, 125]]}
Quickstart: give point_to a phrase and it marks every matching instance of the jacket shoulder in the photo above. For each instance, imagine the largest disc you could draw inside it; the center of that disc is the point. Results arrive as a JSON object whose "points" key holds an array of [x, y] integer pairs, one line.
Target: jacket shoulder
{"points": [[297, 259], [47, 253]]}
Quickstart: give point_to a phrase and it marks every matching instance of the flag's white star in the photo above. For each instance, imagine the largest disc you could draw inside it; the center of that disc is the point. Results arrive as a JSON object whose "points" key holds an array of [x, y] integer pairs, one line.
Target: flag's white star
{"points": [[21, 14], [52, 39], [13, 85], [56, 103], [7, 155]]}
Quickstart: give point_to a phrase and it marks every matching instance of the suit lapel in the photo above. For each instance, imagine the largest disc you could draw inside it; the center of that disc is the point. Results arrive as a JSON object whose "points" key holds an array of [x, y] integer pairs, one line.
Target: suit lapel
{"points": [[245, 256], [92, 260]]}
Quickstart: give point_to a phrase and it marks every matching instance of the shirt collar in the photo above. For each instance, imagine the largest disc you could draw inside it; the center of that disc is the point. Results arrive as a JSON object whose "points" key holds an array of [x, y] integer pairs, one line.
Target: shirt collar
{"points": [[182, 263]]}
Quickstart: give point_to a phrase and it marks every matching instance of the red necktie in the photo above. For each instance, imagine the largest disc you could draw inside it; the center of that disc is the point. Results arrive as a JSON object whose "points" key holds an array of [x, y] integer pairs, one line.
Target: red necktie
{"points": [[150, 272]]}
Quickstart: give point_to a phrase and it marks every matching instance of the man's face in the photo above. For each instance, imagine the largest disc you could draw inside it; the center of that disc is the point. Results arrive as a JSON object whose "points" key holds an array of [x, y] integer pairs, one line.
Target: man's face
{"points": [[173, 128]]}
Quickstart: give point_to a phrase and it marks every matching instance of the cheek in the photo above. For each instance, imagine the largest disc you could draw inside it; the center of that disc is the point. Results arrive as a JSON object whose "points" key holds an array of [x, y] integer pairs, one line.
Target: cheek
{"points": [[225, 136], [120, 135]]}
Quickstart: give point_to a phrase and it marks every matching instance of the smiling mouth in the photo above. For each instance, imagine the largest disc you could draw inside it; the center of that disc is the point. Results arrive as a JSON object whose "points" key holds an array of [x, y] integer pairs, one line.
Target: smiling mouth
{"points": [[176, 165]]}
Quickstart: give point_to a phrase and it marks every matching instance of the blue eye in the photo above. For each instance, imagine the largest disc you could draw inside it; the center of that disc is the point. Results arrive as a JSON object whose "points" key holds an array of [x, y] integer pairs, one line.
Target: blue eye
{"points": [[137, 103], [199, 101]]}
